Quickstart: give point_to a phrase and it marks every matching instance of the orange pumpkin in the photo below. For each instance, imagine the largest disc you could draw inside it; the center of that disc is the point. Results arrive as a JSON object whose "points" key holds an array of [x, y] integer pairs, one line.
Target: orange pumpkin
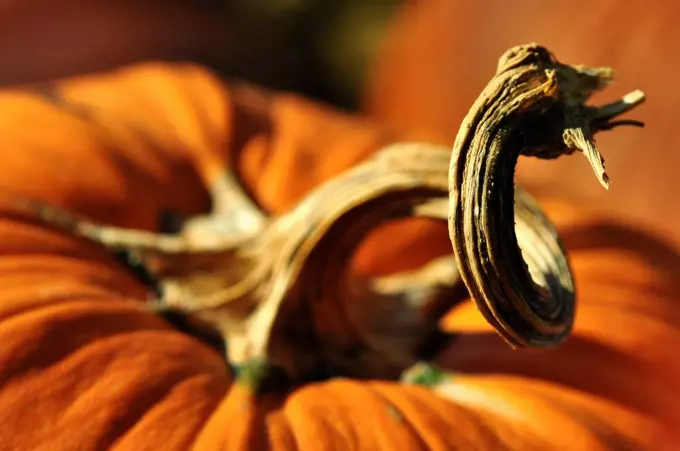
{"points": [[84, 368]]}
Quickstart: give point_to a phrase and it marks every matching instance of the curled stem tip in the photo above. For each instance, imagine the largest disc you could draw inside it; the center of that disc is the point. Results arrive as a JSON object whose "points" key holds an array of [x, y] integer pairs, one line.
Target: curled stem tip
{"points": [[533, 106]]}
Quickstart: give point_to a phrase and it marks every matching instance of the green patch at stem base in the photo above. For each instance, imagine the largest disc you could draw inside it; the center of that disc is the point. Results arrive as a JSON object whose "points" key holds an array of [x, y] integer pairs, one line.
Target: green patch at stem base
{"points": [[425, 374]]}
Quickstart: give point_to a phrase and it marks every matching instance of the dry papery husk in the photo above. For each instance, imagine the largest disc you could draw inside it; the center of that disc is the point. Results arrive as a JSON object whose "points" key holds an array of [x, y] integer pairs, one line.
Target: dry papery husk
{"points": [[281, 294]]}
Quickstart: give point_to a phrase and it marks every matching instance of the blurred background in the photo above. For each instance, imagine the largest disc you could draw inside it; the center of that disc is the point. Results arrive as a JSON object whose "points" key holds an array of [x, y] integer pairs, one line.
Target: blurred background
{"points": [[317, 48], [414, 64]]}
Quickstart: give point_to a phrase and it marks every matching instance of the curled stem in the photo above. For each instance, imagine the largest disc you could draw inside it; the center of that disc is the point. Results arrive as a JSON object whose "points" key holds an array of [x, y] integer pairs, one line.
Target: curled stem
{"points": [[533, 106]]}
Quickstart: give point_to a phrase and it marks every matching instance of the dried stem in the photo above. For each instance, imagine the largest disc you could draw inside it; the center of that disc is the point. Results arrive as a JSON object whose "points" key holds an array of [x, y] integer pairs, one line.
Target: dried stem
{"points": [[533, 106], [281, 291]]}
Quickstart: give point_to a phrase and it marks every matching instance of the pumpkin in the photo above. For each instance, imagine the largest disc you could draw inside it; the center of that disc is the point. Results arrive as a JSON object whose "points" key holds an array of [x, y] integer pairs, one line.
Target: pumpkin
{"points": [[84, 367], [437, 54]]}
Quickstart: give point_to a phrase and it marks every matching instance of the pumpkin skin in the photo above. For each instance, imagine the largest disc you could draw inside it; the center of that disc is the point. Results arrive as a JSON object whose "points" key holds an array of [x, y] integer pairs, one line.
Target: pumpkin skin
{"points": [[444, 51], [83, 367]]}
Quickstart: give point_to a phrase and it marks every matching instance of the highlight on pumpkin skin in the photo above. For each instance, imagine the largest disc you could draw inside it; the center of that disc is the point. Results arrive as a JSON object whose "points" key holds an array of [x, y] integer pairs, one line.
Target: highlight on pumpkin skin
{"points": [[280, 292]]}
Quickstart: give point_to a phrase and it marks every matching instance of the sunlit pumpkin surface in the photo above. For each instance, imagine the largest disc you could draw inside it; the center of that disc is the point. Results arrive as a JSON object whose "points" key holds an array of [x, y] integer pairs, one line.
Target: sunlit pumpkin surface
{"points": [[83, 367]]}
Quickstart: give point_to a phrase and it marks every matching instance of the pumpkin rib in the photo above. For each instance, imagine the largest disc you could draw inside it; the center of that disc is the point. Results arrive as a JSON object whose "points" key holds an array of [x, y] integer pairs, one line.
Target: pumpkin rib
{"points": [[175, 127], [605, 432], [337, 431], [470, 431], [108, 372], [592, 410], [106, 346], [279, 430], [195, 92], [380, 430], [210, 166], [59, 298], [500, 395], [104, 281], [121, 146], [244, 431], [146, 397], [76, 315], [309, 423], [146, 434], [216, 136], [82, 205], [86, 275], [163, 177]]}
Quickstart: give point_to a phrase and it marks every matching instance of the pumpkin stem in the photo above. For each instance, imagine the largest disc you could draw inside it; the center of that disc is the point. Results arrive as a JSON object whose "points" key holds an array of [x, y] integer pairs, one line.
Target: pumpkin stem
{"points": [[533, 106]]}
